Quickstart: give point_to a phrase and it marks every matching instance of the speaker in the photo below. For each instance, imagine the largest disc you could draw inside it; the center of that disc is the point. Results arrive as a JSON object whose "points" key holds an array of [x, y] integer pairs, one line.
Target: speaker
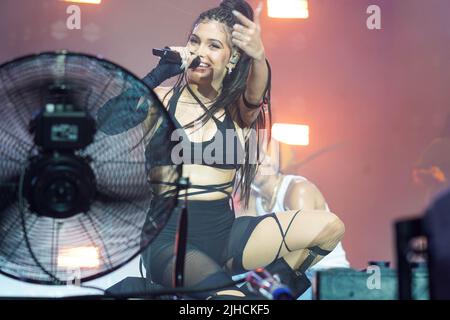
{"points": [[437, 226], [377, 282]]}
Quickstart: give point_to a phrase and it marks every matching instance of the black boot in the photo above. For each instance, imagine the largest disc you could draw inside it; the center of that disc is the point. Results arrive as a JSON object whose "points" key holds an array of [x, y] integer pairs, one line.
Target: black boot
{"points": [[297, 281]]}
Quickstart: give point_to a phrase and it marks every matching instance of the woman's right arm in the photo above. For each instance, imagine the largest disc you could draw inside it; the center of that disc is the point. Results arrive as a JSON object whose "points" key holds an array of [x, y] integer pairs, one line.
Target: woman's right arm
{"points": [[130, 108], [122, 113]]}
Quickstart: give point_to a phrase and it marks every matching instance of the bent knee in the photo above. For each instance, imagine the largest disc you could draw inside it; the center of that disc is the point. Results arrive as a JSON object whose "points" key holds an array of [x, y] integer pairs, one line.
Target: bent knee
{"points": [[335, 227]]}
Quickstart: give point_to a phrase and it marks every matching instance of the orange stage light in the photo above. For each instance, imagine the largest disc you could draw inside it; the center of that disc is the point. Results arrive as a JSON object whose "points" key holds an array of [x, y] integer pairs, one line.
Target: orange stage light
{"points": [[80, 257], [84, 1], [293, 134], [288, 9]]}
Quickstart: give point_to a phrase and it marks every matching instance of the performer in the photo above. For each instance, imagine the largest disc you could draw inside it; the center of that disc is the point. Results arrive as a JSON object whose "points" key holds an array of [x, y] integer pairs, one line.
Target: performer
{"points": [[432, 169], [229, 90], [273, 191]]}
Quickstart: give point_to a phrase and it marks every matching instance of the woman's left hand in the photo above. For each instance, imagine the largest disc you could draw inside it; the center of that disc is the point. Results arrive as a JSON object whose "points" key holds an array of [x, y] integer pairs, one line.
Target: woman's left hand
{"points": [[247, 35]]}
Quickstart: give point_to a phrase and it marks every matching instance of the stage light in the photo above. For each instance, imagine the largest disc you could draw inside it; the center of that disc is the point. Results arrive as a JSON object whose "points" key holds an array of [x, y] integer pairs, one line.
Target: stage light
{"points": [[80, 257], [84, 1], [288, 9], [293, 134]]}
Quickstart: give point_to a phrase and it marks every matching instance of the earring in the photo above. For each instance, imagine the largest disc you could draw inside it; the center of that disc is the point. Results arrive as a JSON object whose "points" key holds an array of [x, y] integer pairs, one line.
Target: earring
{"points": [[233, 61]]}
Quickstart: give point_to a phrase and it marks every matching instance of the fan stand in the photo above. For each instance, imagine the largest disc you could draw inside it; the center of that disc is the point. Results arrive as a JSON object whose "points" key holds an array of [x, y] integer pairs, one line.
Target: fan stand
{"points": [[181, 237], [48, 101], [131, 285]]}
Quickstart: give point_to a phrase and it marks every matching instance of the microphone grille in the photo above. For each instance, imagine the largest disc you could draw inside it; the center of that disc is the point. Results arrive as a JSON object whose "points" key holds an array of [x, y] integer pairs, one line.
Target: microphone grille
{"points": [[195, 63]]}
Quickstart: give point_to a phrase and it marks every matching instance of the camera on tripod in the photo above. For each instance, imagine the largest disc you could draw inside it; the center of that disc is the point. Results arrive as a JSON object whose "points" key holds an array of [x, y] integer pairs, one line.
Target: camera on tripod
{"points": [[59, 183], [62, 124]]}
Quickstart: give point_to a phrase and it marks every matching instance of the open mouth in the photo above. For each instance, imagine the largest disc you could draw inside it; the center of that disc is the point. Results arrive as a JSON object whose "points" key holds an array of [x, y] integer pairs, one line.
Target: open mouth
{"points": [[203, 65]]}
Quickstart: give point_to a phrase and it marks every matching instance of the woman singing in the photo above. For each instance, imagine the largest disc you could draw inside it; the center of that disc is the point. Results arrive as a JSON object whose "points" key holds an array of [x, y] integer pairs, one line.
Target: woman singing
{"points": [[229, 92]]}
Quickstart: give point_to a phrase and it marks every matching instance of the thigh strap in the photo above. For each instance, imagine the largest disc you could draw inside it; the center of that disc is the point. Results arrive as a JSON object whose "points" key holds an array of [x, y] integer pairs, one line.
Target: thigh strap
{"points": [[313, 252], [283, 233]]}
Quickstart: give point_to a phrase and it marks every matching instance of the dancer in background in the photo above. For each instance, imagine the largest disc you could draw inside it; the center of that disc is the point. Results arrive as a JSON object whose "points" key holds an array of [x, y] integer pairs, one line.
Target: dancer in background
{"points": [[273, 191]]}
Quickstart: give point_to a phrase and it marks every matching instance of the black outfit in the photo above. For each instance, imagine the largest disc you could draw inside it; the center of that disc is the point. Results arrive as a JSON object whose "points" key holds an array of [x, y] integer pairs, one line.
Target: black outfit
{"points": [[214, 235], [215, 238]]}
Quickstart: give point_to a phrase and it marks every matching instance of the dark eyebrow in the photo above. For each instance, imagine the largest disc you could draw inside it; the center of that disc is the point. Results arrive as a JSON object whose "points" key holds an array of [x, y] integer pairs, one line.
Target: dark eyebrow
{"points": [[217, 41], [196, 36]]}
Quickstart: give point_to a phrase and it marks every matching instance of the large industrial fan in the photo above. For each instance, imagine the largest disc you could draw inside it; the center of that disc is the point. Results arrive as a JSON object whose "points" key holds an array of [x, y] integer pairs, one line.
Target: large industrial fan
{"points": [[81, 189]]}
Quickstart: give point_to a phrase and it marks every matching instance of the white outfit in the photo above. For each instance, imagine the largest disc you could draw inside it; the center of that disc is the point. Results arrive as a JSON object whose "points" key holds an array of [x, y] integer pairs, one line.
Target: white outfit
{"points": [[279, 201], [335, 259]]}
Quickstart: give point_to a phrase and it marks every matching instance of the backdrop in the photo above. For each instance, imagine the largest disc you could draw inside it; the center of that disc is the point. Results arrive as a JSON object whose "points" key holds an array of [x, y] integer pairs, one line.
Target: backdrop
{"points": [[374, 99]]}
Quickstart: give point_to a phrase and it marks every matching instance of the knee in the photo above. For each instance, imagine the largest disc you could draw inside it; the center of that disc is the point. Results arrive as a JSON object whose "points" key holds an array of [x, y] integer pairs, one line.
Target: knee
{"points": [[335, 227]]}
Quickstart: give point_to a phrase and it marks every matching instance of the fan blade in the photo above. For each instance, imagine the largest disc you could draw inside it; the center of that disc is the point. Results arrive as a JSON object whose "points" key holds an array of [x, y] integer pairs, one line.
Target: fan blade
{"points": [[8, 192], [129, 208]]}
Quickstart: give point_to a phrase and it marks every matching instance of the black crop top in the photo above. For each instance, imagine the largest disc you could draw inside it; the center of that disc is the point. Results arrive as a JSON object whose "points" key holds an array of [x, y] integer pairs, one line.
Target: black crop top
{"points": [[223, 151]]}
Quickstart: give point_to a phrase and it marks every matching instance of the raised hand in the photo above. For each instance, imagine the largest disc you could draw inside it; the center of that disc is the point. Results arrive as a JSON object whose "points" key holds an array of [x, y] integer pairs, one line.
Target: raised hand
{"points": [[247, 34]]}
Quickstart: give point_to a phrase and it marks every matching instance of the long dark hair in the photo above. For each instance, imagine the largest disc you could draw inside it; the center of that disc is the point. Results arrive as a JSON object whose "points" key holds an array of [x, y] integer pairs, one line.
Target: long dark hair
{"points": [[234, 85]]}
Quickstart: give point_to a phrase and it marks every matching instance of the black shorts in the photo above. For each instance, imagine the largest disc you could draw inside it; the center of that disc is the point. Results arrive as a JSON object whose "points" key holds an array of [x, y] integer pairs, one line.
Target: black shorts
{"points": [[240, 233], [212, 229]]}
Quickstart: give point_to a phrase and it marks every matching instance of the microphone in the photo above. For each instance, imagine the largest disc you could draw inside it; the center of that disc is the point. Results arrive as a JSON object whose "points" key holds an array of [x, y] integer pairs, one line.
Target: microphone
{"points": [[261, 281], [173, 56]]}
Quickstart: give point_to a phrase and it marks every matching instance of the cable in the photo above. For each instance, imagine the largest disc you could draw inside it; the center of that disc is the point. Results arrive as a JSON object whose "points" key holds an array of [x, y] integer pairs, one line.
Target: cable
{"points": [[27, 241], [140, 267], [92, 287], [160, 292]]}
